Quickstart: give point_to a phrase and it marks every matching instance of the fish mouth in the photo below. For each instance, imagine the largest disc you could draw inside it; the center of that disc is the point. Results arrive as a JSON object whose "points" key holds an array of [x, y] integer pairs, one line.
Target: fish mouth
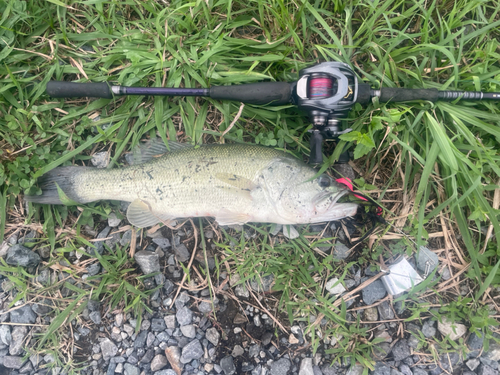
{"points": [[335, 209], [324, 195]]}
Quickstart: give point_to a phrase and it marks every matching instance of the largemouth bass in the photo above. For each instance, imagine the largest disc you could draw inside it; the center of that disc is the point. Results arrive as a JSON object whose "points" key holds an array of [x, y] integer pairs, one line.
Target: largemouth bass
{"points": [[235, 183]]}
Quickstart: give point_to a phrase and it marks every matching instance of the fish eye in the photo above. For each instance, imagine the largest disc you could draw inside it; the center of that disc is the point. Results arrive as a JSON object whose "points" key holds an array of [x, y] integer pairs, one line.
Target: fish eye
{"points": [[324, 181]]}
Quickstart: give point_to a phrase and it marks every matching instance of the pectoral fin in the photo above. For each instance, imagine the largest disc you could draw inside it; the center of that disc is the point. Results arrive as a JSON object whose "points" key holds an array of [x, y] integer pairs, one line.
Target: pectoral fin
{"points": [[141, 215], [227, 217]]}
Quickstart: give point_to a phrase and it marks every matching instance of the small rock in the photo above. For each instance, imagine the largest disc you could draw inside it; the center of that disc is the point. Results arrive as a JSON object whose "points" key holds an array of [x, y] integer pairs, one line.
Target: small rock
{"points": [[213, 336], [262, 284], [227, 365], [189, 331], [381, 369], [173, 354], [371, 314], [253, 351], [108, 349], [334, 289], [373, 292], [453, 330], [18, 336], [237, 351], [113, 221], [239, 319], [191, 351], [401, 350], [182, 253], [385, 311], [355, 370], [19, 255], [405, 369], [419, 371], [427, 261], [290, 232], [184, 316], [475, 342], [100, 160], [446, 273], [158, 362], [158, 325], [292, 339], [164, 243], [306, 367], [486, 370], [472, 364], [131, 369], [340, 251], [5, 336], [99, 245], [95, 316], [428, 329], [24, 315], [148, 261], [241, 291], [13, 362], [493, 353], [280, 367]]}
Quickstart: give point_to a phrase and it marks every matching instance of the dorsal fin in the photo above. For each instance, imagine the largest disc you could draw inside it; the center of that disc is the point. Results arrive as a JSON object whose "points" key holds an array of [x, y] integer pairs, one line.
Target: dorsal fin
{"points": [[154, 148]]}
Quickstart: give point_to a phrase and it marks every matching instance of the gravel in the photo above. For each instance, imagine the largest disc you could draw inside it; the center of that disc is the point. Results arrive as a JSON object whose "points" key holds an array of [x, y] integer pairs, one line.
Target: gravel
{"points": [[306, 367], [335, 289], [184, 316], [148, 261], [19, 255], [373, 292], [280, 367], [24, 315], [401, 350], [227, 365], [191, 351]]}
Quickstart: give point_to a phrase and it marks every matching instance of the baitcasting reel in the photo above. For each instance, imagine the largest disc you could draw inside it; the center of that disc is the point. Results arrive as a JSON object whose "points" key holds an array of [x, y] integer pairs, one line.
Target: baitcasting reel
{"points": [[326, 91]]}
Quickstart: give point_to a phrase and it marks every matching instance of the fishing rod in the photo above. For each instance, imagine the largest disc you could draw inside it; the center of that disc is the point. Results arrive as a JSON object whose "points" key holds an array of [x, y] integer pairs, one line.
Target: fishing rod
{"points": [[326, 91]]}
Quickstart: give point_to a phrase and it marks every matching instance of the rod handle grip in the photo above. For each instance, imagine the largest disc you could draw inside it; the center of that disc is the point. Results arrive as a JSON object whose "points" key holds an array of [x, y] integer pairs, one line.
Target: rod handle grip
{"points": [[63, 89], [394, 94], [274, 93]]}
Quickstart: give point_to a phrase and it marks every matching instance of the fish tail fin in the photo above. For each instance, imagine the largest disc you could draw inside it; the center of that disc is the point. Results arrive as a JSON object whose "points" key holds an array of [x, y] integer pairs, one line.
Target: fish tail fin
{"points": [[62, 177]]}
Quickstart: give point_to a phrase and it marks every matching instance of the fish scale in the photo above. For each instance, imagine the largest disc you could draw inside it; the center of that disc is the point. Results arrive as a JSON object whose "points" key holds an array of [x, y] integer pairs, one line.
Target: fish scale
{"points": [[235, 183]]}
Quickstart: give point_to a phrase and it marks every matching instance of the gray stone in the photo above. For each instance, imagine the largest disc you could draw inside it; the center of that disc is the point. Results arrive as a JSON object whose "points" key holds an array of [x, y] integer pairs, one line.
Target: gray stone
{"points": [[191, 351], [13, 362], [5, 336], [19, 255], [168, 286], [182, 252], [113, 221], [165, 372], [405, 369], [453, 330], [373, 292], [227, 365], [24, 315], [371, 314], [140, 340], [131, 369], [108, 349], [262, 284], [237, 351], [493, 353], [475, 342], [184, 316], [428, 329], [100, 160], [401, 350], [189, 331], [280, 367], [306, 367], [158, 325], [93, 269], [253, 351], [385, 311], [170, 321], [158, 362], [486, 370], [472, 364], [213, 336], [148, 261], [99, 245], [381, 369], [127, 237], [205, 307], [334, 286], [95, 316], [340, 251], [241, 291], [164, 243], [419, 371]]}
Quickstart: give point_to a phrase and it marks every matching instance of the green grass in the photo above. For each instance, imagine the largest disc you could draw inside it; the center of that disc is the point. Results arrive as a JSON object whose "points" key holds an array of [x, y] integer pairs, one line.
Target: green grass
{"points": [[444, 158]]}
